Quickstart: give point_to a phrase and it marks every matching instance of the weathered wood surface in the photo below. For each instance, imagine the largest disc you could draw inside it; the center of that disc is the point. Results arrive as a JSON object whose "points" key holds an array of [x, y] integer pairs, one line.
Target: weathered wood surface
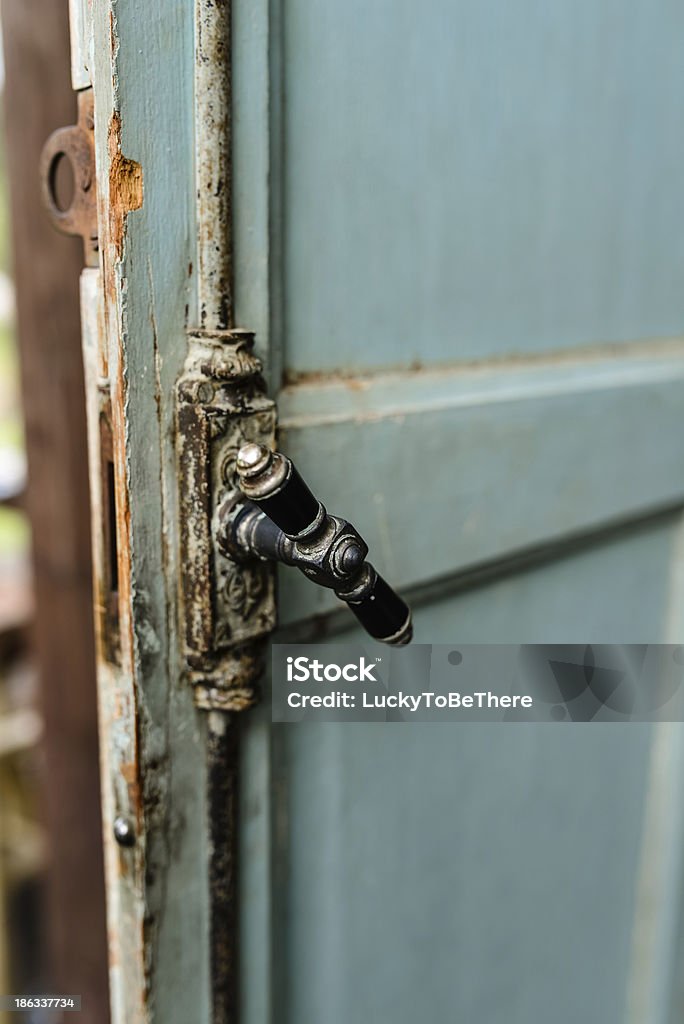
{"points": [[167, 764], [455, 235], [488, 179], [38, 100], [473, 465]]}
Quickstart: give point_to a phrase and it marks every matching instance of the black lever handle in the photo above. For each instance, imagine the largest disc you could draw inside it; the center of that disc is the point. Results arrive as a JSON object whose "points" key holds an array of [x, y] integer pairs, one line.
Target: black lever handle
{"points": [[281, 520]]}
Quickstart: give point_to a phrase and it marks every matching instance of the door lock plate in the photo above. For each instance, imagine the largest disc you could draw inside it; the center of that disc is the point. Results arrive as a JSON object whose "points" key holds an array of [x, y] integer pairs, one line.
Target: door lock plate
{"points": [[227, 606]]}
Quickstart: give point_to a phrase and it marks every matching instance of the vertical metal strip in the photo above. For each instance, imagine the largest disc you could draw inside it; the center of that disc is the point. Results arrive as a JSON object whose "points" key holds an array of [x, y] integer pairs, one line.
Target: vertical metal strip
{"points": [[213, 164], [223, 741], [220, 364]]}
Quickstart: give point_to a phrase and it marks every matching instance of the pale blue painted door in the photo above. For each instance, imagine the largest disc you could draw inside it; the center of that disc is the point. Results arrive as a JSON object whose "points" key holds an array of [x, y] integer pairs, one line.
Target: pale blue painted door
{"points": [[459, 233]]}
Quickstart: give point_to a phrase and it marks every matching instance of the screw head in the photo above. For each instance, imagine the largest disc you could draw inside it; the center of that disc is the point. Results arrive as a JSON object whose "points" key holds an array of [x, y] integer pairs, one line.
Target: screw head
{"points": [[351, 559], [124, 833], [253, 459], [348, 557], [250, 455]]}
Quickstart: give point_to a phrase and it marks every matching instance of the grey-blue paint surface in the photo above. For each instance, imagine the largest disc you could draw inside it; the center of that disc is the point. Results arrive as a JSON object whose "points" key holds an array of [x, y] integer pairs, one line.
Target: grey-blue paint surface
{"points": [[445, 471], [497, 183], [461, 874], [475, 179], [476, 873]]}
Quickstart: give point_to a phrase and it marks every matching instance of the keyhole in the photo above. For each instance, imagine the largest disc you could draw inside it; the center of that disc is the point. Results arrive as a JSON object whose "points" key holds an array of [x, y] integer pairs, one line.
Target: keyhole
{"points": [[62, 183]]}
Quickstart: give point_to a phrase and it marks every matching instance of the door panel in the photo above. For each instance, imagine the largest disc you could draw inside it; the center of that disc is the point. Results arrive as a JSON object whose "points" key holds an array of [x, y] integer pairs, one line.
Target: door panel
{"points": [[414, 191], [446, 471], [480, 180], [482, 873], [626, 583], [441, 886]]}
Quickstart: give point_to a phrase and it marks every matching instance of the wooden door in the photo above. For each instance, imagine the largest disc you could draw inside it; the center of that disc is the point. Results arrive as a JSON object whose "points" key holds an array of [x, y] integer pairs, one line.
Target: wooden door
{"points": [[454, 232], [474, 319]]}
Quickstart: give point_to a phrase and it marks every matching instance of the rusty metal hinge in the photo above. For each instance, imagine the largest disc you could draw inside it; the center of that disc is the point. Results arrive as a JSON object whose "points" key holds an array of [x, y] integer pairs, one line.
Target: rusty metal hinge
{"points": [[77, 145]]}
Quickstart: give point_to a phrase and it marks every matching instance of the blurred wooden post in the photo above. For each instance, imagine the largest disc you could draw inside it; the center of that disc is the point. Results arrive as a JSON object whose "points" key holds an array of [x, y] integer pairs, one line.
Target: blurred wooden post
{"points": [[38, 99]]}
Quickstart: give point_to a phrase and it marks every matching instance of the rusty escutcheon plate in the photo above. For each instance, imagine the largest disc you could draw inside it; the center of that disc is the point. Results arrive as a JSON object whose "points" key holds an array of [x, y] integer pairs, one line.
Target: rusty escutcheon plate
{"points": [[77, 145]]}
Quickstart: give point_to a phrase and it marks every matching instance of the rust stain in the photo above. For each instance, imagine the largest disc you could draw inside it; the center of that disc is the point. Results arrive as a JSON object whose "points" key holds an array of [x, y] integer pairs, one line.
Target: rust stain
{"points": [[120, 707], [125, 186], [130, 773], [123, 518]]}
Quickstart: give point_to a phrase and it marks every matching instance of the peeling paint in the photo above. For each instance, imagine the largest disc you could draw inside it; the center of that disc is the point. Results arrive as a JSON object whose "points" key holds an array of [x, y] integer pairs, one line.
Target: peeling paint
{"points": [[125, 186]]}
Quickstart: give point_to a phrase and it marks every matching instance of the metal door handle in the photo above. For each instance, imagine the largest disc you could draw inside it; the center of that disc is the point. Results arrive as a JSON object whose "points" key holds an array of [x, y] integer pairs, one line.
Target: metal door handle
{"points": [[279, 519]]}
